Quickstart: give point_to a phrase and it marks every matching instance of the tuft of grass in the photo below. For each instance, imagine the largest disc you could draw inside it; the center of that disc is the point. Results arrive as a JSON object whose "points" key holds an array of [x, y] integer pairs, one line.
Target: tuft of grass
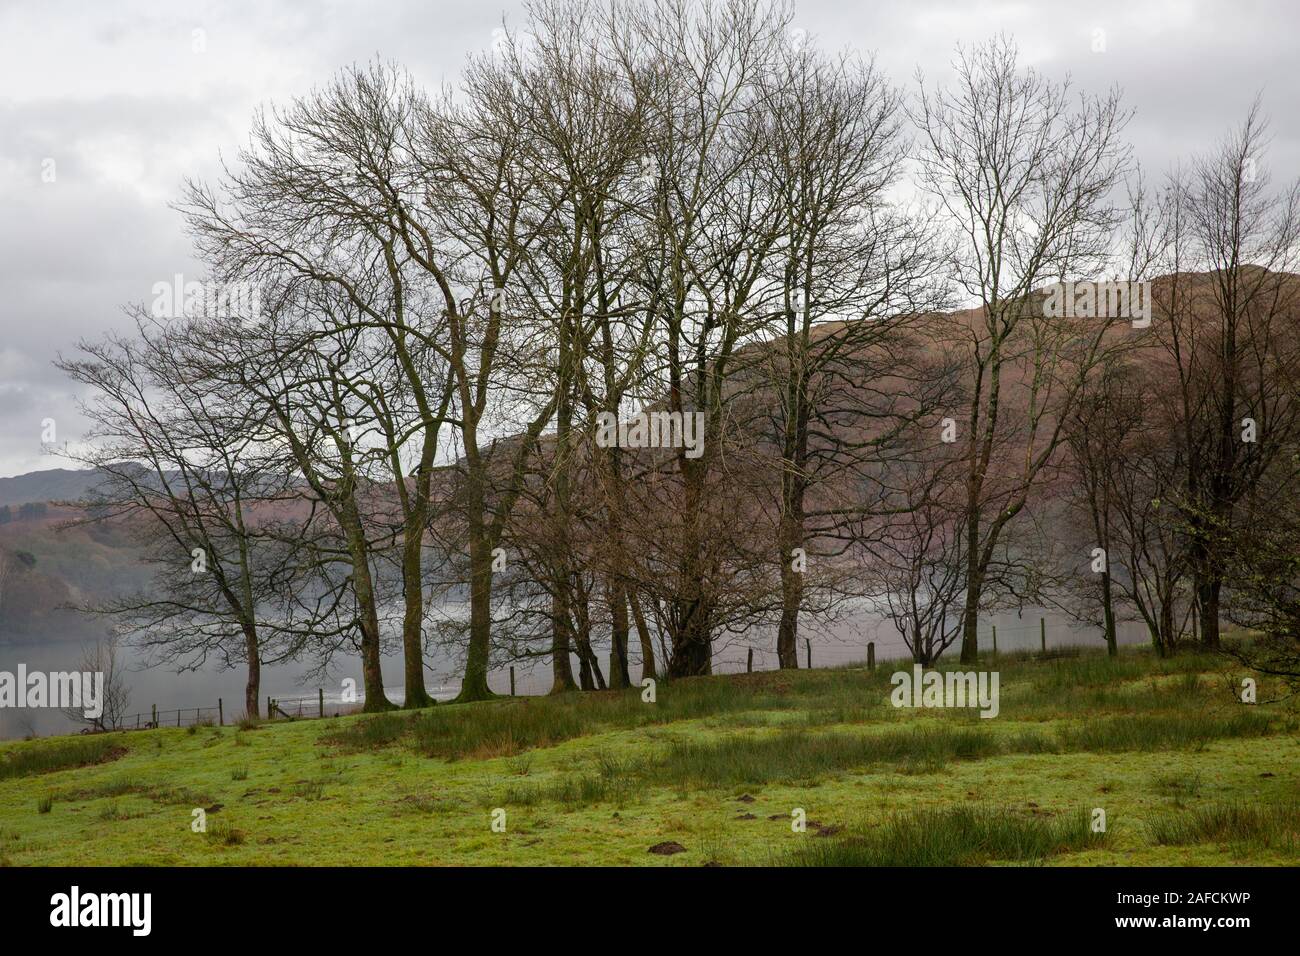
{"points": [[309, 789], [798, 756], [521, 765], [113, 811], [506, 727], [497, 730], [369, 733], [239, 773], [178, 796], [614, 781], [419, 803], [124, 786], [223, 834], [1161, 731], [952, 836], [45, 804], [52, 754], [1179, 786], [1271, 826]]}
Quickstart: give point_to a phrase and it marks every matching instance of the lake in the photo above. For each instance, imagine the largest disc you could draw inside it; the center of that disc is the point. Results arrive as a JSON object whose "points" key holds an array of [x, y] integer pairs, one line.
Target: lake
{"points": [[843, 642]]}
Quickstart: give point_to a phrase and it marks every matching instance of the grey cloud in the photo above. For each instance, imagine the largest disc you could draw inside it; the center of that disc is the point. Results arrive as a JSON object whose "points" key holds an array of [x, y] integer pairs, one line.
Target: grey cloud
{"points": [[115, 94]]}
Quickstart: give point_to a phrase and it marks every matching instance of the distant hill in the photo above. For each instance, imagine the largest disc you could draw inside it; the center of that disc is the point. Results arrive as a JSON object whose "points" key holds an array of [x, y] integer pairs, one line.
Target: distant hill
{"points": [[45, 566], [51, 564], [55, 484]]}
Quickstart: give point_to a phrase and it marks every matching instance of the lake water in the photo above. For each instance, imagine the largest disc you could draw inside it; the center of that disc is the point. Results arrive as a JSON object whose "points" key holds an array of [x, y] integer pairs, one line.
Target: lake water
{"points": [[843, 642]]}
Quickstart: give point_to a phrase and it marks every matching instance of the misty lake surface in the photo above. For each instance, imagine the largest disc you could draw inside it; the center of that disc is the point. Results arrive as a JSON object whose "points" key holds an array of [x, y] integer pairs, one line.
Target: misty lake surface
{"points": [[839, 643]]}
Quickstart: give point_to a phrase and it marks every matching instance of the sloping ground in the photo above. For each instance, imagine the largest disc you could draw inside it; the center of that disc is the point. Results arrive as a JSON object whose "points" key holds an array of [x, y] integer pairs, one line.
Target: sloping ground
{"points": [[713, 772]]}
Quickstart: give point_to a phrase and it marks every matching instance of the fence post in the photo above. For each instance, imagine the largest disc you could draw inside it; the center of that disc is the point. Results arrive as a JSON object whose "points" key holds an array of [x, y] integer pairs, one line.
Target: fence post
{"points": [[995, 642], [1042, 633], [269, 704], [808, 645], [749, 662], [221, 714], [871, 655], [320, 696], [512, 681], [178, 716], [155, 716]]}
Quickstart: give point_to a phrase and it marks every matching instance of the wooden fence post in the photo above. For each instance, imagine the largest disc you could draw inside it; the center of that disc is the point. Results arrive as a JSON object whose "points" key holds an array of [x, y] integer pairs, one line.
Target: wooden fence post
{"points": [[320, 697], [995, 642], [871, 655], [1042, 633], [749, 662], [269, 704], [808, 644], [221, 714], [155, 716], [512, 681]]}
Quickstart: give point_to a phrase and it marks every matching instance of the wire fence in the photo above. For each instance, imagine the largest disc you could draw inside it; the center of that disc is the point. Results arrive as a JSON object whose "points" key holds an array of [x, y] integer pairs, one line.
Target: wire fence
{"points": [[180, 717], [291, 707], [733, 658]]}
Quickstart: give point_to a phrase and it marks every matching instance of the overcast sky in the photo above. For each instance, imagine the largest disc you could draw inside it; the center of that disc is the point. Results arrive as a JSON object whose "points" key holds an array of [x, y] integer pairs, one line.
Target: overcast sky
{"points": [[127, 98]]}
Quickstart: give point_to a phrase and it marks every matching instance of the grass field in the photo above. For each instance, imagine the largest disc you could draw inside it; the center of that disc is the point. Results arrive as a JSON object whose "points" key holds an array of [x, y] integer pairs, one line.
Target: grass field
{"points": [[711, 773]]}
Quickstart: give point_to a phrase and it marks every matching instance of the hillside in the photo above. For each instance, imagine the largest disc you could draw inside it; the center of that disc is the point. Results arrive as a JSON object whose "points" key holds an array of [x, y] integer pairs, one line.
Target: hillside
{"points": [[54, 484], [54, 566], [713, 772], [47, 566]]}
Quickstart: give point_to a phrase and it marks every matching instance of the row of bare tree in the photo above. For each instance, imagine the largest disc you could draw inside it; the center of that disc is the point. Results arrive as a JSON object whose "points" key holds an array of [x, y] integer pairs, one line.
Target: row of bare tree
{"points": [[683, 209]]}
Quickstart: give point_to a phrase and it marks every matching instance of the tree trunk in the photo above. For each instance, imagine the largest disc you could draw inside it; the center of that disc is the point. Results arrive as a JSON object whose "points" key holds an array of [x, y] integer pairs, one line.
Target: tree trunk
{"points": [[413, 619], [474, 684], [253, 686], [643, 632], [372, 674], [691, 636], [970, 617], [618, 672], [787, 635], [1108, 614], [561, 667], [1209, 593], [692, 649]]}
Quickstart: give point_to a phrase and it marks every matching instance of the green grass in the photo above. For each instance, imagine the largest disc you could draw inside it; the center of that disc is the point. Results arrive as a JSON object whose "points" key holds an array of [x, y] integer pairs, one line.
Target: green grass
{"points": [[803, 757], [512, 726], [1162, 731], [1242, 825], [46, 756], [719, 765], [954, 836]]}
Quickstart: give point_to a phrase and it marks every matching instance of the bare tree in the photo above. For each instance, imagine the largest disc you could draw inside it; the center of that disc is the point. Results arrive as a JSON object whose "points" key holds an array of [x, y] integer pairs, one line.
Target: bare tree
{"points": [[102, 659], [852, 275], [1023, 176], [1229, 333], [321, 201], [184, 468]]}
